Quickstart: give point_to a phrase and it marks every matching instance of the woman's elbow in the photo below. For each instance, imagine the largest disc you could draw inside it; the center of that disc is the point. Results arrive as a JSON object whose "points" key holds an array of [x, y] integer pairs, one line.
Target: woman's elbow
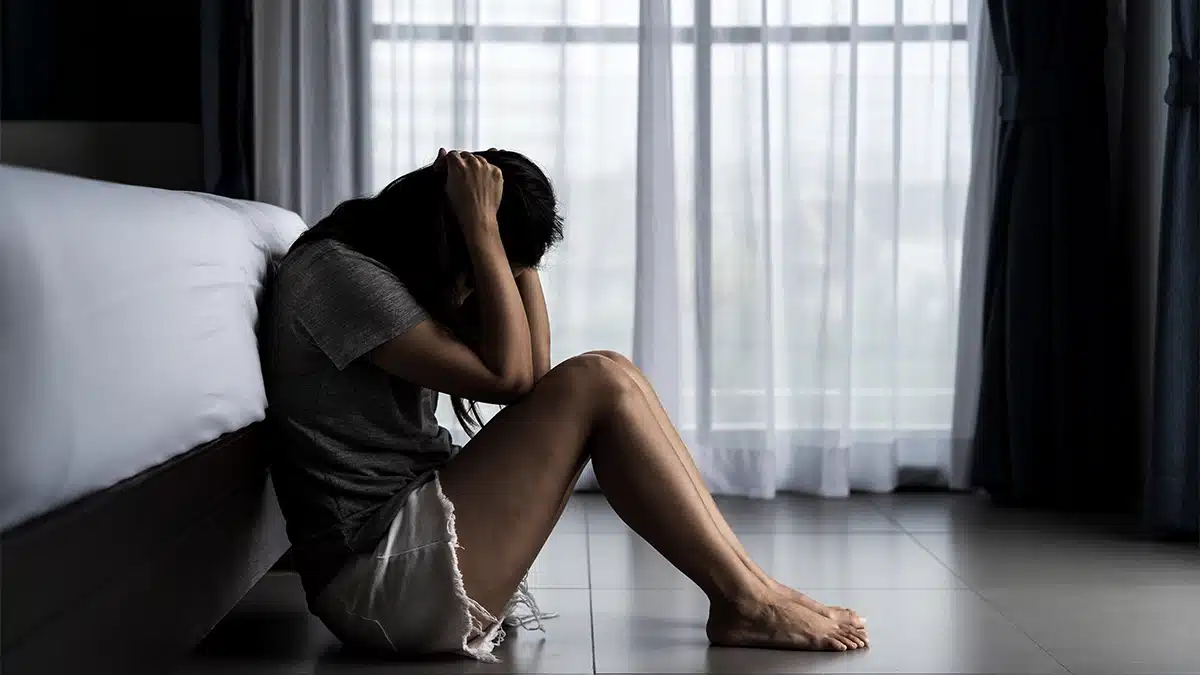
{"points": [[512, 388]]}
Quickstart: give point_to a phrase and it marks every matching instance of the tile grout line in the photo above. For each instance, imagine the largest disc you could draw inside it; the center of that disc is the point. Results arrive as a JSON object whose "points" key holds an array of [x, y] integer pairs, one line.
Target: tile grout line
{"points": [[1012, 622], [969, 587], [587, 546]]}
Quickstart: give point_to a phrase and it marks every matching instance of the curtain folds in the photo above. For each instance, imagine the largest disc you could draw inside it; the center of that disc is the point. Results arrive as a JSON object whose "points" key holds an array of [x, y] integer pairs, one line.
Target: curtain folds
{"points": [[981, 194], [1172, 495], [311, 103], [1055, 423]]}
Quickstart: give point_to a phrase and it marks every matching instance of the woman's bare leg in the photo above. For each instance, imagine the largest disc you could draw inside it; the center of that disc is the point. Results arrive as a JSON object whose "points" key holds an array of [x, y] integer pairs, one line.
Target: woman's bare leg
{"points": [[509, 483], [664, 422]]}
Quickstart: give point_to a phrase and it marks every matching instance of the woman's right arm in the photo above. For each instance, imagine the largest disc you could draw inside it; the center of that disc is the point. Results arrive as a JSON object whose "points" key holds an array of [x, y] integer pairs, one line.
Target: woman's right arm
{"points": [[430, 356]]}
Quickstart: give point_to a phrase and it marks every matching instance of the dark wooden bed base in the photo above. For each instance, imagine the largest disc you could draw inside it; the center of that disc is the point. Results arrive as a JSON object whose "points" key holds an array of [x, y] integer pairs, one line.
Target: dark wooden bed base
{"points": [[130, 579]]}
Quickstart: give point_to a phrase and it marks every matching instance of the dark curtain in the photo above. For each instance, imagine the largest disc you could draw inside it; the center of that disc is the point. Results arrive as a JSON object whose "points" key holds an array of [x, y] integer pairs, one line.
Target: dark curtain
{"points": [[227, 120], [1055, 425], [1172, 502]]}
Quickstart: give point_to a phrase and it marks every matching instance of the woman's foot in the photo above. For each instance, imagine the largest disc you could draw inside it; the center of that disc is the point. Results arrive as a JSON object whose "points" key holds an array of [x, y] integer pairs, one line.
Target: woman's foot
{"points": [[839, 614], [781, 623]]}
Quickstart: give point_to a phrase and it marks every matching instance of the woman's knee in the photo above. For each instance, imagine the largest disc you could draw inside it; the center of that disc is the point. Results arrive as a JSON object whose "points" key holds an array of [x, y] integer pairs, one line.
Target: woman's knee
{"points": [[598, 378], [616, 357]]}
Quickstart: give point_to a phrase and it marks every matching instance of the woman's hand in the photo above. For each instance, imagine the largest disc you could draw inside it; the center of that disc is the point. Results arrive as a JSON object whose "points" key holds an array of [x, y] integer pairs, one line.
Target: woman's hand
{"points": [[474, 188]]}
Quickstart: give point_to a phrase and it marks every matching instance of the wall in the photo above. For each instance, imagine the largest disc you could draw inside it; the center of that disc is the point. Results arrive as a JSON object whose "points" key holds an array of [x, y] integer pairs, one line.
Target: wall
{"points": [[107, 90], [165, 155], [1148, 43]]}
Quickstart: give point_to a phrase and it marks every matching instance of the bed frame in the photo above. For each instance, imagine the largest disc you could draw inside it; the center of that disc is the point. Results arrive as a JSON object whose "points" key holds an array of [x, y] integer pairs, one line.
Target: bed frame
{"points": [[130, 579]]}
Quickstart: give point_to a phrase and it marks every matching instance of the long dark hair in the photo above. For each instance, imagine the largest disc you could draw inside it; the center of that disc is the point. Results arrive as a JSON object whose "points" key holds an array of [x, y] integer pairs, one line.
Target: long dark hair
{"points": [[410, 228]]}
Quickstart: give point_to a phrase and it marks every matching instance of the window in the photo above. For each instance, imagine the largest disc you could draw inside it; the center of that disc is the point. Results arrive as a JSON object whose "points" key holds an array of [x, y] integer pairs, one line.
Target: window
{"points": [[858, 112]]}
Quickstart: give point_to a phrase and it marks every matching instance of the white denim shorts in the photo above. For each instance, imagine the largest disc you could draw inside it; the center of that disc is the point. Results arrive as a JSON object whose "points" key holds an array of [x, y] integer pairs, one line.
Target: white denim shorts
{"points": [[407, 596]]}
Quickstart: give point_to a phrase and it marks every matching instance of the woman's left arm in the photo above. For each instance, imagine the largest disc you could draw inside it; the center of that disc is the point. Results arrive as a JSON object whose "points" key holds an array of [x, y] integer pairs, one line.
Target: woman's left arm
{"points": [[529, 284]]}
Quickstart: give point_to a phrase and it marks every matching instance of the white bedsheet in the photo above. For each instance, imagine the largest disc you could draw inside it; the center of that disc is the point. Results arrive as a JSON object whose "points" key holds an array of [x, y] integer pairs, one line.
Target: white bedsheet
{"points": [[127, 329]]}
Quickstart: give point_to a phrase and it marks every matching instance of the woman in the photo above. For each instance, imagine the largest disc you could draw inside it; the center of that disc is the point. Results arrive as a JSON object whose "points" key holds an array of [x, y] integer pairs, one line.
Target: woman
{"points": [[405, 542]]}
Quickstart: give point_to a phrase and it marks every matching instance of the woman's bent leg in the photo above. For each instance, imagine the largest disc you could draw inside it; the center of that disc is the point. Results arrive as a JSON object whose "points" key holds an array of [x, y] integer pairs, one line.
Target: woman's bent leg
{"points": [[510, 483], [664, 422], [508, 486]]}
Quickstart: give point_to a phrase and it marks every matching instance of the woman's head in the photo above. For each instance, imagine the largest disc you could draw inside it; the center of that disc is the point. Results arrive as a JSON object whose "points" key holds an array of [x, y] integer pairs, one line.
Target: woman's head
{"points": [[410, 228]]}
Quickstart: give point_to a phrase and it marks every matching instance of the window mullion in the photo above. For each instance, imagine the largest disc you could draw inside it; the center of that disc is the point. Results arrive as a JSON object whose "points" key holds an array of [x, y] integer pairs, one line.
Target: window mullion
{"points": [[703, 206]]}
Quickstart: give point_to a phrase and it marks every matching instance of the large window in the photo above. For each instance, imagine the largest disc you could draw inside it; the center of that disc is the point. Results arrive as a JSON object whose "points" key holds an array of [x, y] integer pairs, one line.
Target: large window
{"points": [[858, 110]]}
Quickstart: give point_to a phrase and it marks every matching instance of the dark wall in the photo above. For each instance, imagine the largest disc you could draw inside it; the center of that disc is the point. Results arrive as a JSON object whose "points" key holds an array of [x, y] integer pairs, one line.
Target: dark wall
{"points": [[100, 60], [106, 89]]}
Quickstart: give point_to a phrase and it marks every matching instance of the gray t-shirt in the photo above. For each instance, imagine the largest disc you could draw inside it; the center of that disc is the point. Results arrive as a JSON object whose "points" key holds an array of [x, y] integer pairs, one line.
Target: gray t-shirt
{"points": [[352, 440]]}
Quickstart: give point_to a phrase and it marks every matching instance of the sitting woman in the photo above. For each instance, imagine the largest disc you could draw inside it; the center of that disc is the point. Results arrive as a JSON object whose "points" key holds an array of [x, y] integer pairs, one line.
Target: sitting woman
{"points": [[407, 543]]}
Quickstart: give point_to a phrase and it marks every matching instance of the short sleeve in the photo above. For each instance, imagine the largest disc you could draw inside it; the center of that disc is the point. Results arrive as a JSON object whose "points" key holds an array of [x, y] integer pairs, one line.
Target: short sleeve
{"points": [[353, 304]]}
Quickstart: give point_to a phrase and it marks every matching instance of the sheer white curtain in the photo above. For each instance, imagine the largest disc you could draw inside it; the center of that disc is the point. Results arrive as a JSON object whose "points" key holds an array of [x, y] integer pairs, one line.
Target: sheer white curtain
{"points": [[311, 126], [985, 137], [764, 203]]}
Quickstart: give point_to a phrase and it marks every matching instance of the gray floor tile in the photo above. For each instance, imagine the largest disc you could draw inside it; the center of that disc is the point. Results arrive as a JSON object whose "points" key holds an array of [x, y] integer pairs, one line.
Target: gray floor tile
{"points": [[1041, 559], [563, 562], [941, 512], [785, 513], [1105, 630], [574, 517], [941, 631], [912, 631], [806, 561]]}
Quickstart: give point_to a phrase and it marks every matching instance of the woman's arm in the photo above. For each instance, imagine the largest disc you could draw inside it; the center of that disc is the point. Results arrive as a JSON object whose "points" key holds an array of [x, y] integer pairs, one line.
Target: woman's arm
{"points": [[529, 284], [501, 370], [504, 337]]}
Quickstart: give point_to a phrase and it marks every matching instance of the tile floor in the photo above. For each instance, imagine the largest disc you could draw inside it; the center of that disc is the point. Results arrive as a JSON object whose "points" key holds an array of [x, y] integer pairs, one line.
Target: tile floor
{"points": [[950, 585]]}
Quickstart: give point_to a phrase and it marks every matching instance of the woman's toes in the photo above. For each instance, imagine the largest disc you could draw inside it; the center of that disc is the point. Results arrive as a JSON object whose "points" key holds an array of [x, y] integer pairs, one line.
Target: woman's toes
{"points": [[858, 635], [845, 636], [836, 643]]}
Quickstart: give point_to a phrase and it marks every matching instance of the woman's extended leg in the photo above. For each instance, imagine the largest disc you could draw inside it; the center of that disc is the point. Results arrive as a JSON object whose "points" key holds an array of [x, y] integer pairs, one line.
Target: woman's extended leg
{"points": [[664, 422], [508, 486]]}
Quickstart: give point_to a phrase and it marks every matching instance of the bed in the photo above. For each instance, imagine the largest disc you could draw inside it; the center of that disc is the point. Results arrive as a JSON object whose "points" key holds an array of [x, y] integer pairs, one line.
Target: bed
{"points": [[135, 504]]}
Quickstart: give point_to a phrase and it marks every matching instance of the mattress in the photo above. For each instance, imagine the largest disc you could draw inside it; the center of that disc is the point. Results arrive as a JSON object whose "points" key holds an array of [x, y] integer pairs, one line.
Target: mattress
{"points": [[127, 329]]}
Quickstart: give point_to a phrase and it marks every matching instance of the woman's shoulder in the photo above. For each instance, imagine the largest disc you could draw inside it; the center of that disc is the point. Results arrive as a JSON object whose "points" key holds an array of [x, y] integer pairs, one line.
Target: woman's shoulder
{"points": [[301, 269], [321, 256], [328, 281], [311, 263], [305, 255]]}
